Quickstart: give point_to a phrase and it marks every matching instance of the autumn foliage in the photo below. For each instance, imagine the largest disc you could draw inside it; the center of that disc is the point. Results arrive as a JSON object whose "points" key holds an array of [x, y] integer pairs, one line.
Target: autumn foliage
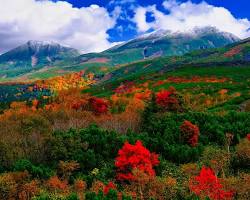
{"points": [[206, 184], [98, 105], [167, 99], [189, 133], [135, 157], [55, 184]]}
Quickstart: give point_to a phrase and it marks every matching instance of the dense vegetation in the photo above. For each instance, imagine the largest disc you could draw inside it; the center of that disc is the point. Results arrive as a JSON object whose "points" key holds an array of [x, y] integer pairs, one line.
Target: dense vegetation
{"points": [[178, 136], [148, 130]]}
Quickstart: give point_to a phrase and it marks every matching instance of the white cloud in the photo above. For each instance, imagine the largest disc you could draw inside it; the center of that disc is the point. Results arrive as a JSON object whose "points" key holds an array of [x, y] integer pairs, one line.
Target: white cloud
{"points": [[82, 28], [140, 18], [188, 15]]}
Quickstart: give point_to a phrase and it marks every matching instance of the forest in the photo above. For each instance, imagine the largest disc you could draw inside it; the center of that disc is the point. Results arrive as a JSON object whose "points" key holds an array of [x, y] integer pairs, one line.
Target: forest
{"points": [[180, 135]]}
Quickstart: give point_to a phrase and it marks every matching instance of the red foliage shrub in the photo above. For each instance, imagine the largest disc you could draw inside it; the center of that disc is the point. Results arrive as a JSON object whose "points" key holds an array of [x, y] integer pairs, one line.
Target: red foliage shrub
{"points": [[206, 184], [190, 133], [167, 99], [135, 157], [98, 105], [108, 187]]}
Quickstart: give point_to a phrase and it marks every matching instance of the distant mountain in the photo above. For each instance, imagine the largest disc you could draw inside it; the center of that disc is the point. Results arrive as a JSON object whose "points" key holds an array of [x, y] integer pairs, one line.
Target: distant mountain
{"points": [[35, 60], [34, 55], [164, 43], [37, 52]]}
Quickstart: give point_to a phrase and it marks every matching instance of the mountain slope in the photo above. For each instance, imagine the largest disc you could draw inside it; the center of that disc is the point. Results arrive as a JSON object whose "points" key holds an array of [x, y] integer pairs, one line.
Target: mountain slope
{"points": [[235, 54], [164, 43], [33, 55]]}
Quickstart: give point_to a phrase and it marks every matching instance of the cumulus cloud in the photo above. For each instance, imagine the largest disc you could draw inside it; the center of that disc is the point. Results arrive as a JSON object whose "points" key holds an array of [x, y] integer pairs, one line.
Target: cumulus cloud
{"points": [[82, 28], [186, 16]]}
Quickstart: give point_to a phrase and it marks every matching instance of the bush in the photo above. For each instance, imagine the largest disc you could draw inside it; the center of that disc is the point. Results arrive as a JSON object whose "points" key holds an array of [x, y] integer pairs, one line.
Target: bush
{"points": [[39, 171]]}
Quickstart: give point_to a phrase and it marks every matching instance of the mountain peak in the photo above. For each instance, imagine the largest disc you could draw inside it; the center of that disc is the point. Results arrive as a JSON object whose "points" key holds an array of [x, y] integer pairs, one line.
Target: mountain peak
{"points": [[41, 51], [195, 32]]}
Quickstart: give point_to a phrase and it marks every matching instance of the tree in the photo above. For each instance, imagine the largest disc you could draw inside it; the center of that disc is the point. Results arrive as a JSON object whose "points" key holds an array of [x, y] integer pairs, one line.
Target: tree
{"points": [[66, 168], [167, 99], [207, 185], [135, 157], [98, 105], [189, 133], [56, 185]]}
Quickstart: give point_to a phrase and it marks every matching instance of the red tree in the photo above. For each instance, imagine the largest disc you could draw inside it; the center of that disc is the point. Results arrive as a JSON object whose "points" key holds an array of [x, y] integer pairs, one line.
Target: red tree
{"points": [[208, 185], [98, 105], [190, 133], [167, 99], [135, 157]]}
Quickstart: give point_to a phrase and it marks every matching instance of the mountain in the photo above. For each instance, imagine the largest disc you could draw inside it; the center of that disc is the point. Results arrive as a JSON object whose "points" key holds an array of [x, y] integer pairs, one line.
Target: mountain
{"points": [[163, 43], [236, 54], [39, 60], [33, 55]]}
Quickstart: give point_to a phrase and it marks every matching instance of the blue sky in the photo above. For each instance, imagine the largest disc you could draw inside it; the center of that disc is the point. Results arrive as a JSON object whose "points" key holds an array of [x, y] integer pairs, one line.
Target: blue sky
{"points": [[239, 9], [95, 25]]}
